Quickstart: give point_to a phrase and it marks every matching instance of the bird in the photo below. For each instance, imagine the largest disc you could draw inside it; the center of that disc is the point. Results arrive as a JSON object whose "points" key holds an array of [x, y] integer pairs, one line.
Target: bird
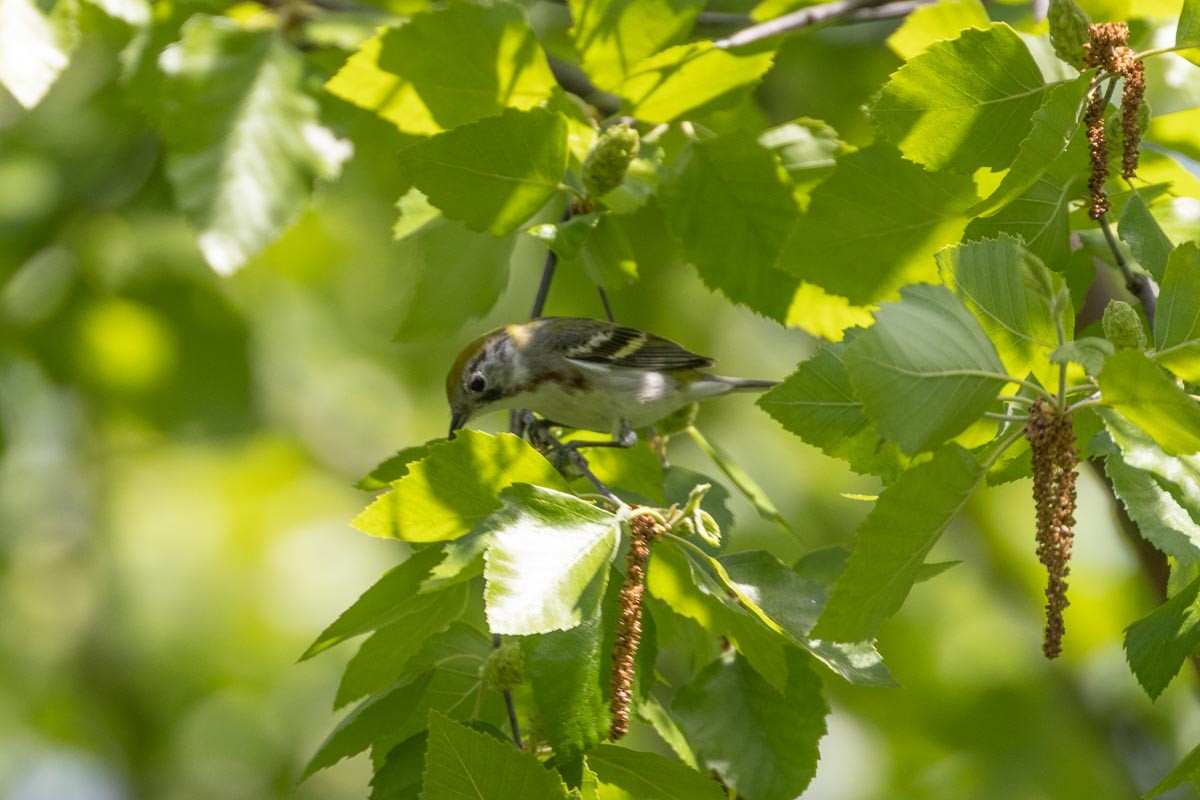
{"points": [[582, 373]]}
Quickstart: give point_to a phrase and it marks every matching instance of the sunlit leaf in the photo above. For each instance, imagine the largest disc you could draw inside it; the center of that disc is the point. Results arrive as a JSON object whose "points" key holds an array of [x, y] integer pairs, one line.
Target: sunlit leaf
{"points": [[223, 86], [612, 36], [1161, 492], [457, 484], [547, 566], [1147, 397], [690, 77], [761, 741], [893, 541], [415, 76], [965, 103], [936, 22], [31, 53], [690, 592], [1053, 126], [925, 370], [495, 173], [1188, 30]]}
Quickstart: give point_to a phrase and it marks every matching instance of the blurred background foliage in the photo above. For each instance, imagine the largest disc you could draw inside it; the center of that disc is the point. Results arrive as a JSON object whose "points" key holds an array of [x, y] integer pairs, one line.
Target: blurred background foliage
{"points": [[178, 454]]}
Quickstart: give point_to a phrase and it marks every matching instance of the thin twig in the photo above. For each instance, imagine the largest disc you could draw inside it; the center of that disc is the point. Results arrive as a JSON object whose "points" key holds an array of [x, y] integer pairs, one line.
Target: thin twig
{"points": [[1140, 286], [802, 18], [608, 312], [573, 79], [543, 290]]}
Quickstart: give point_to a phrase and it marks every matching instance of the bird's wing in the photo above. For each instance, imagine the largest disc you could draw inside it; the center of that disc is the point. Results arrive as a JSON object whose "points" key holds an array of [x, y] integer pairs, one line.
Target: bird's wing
{"points": [[599, 342]]}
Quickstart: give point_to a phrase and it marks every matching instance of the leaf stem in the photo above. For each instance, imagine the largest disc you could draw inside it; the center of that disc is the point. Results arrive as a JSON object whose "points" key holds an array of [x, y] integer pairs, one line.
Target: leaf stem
{"points": [[1094, 400], [1158, 51], [1003, 417], [1016, 398], [1001, 446]]}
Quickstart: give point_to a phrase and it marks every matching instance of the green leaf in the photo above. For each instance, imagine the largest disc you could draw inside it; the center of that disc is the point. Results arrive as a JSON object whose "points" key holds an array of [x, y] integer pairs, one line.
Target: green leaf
{"points": [[818, 404], [1177, 320], [684, 79], [399, 708], [874, 225], [32, 56], [564, 673], [1142, 392], [1089, 352], [548, 563], [1053, 126], [395, 467], [1150, 246], [965, 103], [794, 604], [1188, 30], [240, 189], [689, 591], [934, 23], [893, 541], [612, 36], [808, 150], [462, 763], [926, 370], [382, 658], [1013, 296], [1158, 644], [728, 202], [1160, 491], [1160, 518], [651, 711], [454, 486], [626, 774], [1186, 770], [495, 173], [399, 778], [463, 559], [762, 742], [457, 275], [415, 213], [393, 597], [415, 76], [1040, 215]]}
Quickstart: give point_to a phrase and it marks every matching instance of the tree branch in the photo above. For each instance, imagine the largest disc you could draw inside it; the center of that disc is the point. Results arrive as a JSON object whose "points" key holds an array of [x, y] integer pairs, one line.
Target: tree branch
{"points": [[855, 10]]}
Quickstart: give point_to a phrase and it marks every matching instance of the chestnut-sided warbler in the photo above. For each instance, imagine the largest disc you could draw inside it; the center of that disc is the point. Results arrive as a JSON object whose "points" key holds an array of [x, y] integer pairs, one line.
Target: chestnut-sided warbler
{"points": [[582, 373]]}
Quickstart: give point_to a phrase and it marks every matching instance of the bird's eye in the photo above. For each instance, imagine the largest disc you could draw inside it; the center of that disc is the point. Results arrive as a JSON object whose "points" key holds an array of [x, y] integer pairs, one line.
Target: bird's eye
{"points": [[477, 384]]}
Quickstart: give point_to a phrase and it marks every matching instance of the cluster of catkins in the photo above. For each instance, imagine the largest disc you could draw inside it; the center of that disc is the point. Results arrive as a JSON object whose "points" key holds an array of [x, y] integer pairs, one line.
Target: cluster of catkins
{"points": [[1106, 48], [1052, 441], [645, 530]]}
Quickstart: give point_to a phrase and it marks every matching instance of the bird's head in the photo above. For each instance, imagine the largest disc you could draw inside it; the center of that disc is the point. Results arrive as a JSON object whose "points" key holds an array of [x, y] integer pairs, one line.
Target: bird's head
{"points": [[484, 374]]}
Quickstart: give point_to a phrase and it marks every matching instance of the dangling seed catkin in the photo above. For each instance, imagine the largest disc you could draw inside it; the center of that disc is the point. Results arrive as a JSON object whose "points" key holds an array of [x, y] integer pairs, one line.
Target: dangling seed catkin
{"points": [[1106, 48], [645, 530], [1052, 442]]}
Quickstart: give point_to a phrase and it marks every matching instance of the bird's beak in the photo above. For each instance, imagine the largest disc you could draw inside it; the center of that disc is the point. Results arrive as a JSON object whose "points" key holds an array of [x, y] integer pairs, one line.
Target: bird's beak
{"points": [[457, 420]]}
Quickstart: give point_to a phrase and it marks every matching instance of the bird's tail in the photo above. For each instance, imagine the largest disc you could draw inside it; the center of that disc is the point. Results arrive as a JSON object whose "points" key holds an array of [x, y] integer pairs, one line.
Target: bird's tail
{"points": [[748, 384]]}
